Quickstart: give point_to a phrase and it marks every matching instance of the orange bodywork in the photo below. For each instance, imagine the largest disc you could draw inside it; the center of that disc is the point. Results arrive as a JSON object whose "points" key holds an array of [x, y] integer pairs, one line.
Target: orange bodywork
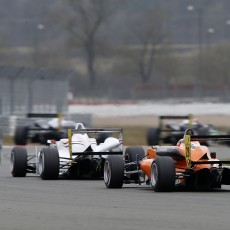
{"points": [[198, 153]]}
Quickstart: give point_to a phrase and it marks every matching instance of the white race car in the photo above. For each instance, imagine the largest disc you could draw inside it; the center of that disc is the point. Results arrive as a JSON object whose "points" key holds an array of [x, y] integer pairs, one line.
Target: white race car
{"points": [[78, 156]]}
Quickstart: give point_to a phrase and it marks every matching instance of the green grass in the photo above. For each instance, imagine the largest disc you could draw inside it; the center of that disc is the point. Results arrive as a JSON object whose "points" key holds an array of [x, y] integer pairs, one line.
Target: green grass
{"points": [[8, 140], [134, 135]]}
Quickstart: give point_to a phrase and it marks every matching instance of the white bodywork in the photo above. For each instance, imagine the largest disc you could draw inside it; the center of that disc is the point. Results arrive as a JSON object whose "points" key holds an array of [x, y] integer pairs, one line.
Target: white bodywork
{"points": [[81, 142], [55, 123]]}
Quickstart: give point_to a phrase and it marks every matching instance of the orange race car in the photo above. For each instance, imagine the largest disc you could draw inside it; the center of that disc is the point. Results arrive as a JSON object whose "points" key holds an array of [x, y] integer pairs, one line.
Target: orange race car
{"points": [[188, 164]]}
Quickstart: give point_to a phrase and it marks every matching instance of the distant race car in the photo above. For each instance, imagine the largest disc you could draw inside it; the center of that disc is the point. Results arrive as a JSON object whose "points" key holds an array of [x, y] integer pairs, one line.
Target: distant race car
{"points": [[188, 164], [78, 156], [42, 129], [170, 133]]}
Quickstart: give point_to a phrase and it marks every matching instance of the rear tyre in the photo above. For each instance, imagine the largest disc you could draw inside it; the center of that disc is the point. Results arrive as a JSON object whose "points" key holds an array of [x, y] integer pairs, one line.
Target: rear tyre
{"points": [[163, 174], [49, 164], [21, 135], [153, 136], [114, 171], [131, 156], [18, 162]]}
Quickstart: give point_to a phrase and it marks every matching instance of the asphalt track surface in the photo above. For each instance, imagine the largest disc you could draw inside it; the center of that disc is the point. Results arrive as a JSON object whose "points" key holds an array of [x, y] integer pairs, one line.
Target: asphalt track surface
{"points": [[31, 203]]}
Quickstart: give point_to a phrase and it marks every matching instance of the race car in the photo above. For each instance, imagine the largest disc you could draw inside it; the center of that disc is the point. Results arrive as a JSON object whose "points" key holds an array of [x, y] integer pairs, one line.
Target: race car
{"points": [[78, 156], [188, 165], [39, 131], [171, 132]]}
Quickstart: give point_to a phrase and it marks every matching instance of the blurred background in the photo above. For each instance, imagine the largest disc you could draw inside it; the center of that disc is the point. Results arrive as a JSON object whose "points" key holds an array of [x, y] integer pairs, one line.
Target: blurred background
{"points": [[57, 53]]}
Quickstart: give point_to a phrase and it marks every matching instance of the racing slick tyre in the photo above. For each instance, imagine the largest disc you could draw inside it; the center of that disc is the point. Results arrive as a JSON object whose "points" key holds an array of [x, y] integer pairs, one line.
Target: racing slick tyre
{"points": [[163, 174], [21, 135], [114, 171], [18, 162], [131, 156], [49, 164], [153, 136]]}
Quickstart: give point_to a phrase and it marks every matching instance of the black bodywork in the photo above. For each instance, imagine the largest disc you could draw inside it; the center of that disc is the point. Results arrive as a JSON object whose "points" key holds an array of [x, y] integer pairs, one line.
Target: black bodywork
{"points": [[86, 167], [39, 131], [171, 133]]}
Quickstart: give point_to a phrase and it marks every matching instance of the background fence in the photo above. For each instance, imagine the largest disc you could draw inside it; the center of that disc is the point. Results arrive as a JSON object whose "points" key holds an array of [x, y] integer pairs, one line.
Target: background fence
{"points": [[32, 90]]}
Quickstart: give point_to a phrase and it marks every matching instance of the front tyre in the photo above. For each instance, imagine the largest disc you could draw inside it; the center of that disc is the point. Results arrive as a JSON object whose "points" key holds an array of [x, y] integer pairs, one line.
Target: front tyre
{"points": [[163, 174], [114, 171], [49, 164], [18, 162]]}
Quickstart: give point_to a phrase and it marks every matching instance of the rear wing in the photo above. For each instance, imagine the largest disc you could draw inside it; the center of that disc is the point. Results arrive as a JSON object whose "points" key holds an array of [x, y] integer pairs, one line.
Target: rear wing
{"points": [[189, 137], [172, 117], [215, 138], [46, 115], [164, 130], [118, 132]]}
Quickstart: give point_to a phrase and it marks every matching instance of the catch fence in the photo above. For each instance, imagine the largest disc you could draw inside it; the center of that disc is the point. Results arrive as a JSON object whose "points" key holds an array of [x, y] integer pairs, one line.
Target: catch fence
{"points": [[33, 90]]}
